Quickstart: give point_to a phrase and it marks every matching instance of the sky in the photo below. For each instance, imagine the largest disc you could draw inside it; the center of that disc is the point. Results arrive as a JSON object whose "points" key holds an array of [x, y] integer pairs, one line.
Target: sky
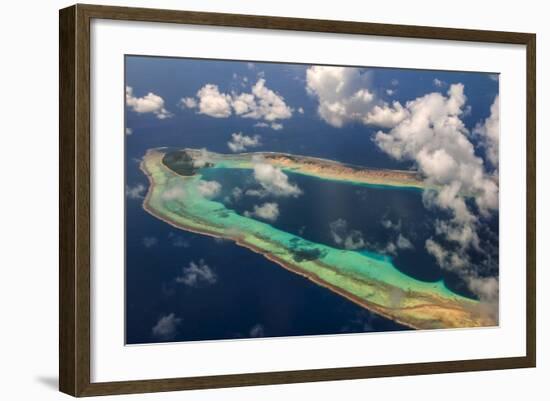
{"points": [[444, 124]]}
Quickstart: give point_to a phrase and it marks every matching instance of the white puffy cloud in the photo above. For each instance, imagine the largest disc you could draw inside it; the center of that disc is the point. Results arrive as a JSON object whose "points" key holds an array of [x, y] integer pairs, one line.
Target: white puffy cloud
{"points": [[489, 132], [385, 115], [301, 110], [344, 96], [188, 102], [209, 189], [273, 181], [435, 138], [149, 103], [240, 142], [342, 93], [214, 103], [268, 105], [166, 327], [243, 103], [261, 103], [268, 211], [135, 192], [196, 274], [276, 126], [390, 92], [128, 131]]}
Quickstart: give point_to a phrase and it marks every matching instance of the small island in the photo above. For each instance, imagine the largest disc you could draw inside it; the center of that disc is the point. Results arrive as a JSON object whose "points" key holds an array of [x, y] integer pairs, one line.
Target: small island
{"points": [[371, 281]]}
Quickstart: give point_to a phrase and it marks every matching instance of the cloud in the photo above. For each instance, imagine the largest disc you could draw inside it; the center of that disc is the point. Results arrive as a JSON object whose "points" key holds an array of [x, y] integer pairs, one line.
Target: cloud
{"points": [[213, 103], [261, 103], [188, 102], [439, 83], [403, 242], [344, 96], [166, 327], [173, 193], [209, 189], [353, 239], [342, 92], [487, 288], [235, 196], [197, 274], [202, 159], [273, 181], [240, 142], [257, 330], [237, 193], [273, 126], [135, 192], [390, 92], [269, 105], [128, 131], [489, 133], [149, 103], [394, 82], [387, 223], [341, 235], [301, 110], [243, 103], [149, 242], [385, 115], [435, 138], [268, 211]]}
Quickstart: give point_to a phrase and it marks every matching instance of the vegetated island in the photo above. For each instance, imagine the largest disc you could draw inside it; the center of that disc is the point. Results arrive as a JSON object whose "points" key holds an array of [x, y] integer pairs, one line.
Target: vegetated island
{"points": [[367, 279]]}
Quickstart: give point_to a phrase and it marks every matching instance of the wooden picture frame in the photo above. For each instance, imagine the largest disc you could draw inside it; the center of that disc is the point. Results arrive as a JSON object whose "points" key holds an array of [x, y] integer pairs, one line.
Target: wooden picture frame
{"points": [[75, 206]]}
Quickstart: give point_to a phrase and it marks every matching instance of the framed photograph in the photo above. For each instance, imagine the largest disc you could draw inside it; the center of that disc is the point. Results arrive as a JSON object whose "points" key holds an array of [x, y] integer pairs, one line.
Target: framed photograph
{"points": [[251, 200]]}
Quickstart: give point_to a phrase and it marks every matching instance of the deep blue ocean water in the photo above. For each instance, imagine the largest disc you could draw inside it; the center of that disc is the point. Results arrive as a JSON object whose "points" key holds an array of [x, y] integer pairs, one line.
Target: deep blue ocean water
{"points": [[251, 291]]}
